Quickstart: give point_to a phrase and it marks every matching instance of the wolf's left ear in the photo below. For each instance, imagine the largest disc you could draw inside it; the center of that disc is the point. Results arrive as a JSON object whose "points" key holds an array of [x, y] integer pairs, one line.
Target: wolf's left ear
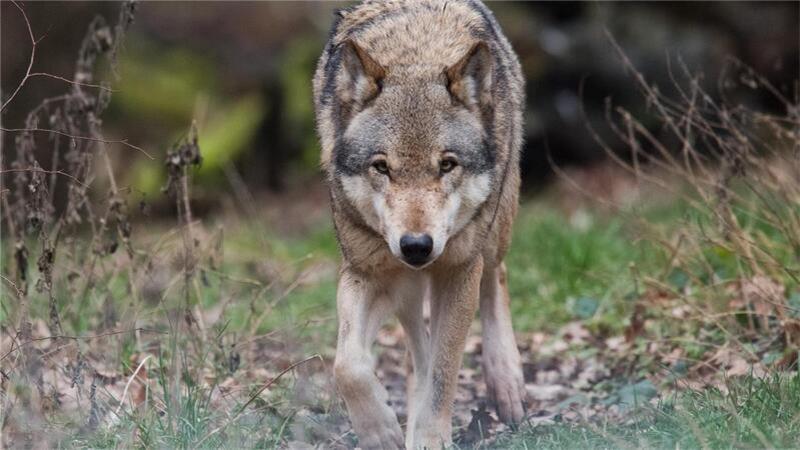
{"points": [[362, 76], [470, 79]]}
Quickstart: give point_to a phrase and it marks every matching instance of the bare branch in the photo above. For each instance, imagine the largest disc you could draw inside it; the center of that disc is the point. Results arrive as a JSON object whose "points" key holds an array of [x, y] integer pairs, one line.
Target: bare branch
{"points": [[83, 138], [30, 63], [52, 172], [67, 80]]}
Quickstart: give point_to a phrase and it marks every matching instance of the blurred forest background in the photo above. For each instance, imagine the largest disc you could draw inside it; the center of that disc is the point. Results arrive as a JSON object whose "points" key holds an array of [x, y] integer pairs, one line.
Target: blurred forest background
{"points": [[243, 71]]}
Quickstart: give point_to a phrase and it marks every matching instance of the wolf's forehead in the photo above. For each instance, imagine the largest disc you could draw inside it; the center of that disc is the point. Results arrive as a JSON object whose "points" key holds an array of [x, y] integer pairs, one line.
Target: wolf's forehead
{"points": [[393, 129], [409, 136], [394, 135]]}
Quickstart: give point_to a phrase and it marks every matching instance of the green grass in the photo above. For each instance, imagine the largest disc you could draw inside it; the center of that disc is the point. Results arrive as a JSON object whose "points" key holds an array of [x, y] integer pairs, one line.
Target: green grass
{"points": [[553, 264], [748, 413], [304, 302]]}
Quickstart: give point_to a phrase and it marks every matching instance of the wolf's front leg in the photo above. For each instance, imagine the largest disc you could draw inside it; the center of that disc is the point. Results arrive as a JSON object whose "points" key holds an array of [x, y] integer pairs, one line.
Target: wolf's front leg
{"points": [[410, 302], [501, 361], [453, 303], [362, 309]]}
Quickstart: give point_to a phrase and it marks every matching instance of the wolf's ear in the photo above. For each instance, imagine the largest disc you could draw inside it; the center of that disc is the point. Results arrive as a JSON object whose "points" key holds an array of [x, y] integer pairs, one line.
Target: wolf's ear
{"points": [[362, 76], [470, 79]]}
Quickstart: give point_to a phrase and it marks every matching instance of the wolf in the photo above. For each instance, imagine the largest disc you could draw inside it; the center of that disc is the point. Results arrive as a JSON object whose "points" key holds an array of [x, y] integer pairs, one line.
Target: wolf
{"points": [[419, 113]]}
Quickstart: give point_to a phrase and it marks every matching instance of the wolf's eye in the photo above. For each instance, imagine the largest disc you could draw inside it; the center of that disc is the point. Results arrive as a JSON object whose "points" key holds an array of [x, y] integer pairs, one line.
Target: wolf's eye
{"points": [[381, 167], [447, 165]]}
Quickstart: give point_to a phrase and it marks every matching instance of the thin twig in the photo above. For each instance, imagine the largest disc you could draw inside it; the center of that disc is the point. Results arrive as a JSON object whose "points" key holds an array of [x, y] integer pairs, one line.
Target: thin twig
{"points": [[13, 285], [30, 63], [78, 338], [84, 138], [128, 384], [67, 80], [52, 172]]}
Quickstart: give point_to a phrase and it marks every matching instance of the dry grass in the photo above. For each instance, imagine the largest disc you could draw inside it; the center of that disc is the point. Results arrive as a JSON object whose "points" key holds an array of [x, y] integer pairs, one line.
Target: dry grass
{"points": [[102, 330]]}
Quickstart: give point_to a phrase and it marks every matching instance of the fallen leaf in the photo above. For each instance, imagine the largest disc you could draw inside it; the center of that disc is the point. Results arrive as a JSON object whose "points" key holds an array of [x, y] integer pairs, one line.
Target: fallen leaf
{"points": [[585, 307], [636, 326], [478, 429], [763, 294], [546, 392], [637, 394], [139, 383]]}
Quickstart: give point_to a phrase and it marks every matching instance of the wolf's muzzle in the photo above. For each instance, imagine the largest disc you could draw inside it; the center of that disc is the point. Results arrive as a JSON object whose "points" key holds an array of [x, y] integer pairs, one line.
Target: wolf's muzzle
{"points": [[416, 248]]}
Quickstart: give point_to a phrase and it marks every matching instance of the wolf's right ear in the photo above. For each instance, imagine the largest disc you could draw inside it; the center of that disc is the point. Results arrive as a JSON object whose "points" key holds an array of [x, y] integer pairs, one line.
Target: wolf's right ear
{"points": [[362, 77], [470, 79]]}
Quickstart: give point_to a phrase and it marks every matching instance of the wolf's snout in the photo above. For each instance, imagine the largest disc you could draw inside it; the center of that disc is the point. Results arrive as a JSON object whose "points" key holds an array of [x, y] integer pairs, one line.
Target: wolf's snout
{"points": [[416, 248]]}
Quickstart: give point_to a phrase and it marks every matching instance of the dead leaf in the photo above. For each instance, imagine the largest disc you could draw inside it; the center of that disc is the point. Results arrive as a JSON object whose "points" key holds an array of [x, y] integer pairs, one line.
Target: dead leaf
{"points": [[575, 333], [473, 344], [547, 392], [617, 344], [763, 294], [791, 327], [390, 336], [478, 429], [636, 327], [139, 384]]}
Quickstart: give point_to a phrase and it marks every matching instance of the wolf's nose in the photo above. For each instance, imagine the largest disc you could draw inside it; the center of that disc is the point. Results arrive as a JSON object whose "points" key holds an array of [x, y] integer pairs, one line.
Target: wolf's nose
{"points": [[416, 248]]}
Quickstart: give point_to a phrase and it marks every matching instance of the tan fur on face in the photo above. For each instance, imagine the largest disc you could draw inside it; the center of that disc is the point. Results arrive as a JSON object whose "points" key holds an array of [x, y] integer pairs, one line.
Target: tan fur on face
{"points": [[401, 81]]}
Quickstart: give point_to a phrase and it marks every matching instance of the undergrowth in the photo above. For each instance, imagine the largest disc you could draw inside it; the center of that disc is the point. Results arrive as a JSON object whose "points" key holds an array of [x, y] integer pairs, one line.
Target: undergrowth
{"points": [[746, 412]]}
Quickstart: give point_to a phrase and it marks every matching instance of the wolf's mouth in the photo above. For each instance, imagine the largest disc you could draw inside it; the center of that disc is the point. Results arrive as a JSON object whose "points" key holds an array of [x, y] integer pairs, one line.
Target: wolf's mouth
{"points": [[418, 266]]}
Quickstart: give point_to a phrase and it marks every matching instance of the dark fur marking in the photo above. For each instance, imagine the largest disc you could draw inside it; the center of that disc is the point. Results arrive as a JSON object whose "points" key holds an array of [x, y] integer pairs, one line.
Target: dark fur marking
{"points": [[437, 396], [504, 48], [332, 62], [476, 160], [350, 159]]}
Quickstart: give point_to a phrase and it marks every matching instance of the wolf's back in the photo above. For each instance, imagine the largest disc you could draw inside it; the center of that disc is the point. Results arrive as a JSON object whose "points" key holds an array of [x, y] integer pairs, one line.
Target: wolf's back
{"points": [[416, 40]]}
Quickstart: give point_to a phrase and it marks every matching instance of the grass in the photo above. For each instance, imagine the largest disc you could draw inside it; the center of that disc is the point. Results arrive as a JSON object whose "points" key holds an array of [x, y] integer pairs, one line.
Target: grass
{"points": [[552, 263], [749, 413]]}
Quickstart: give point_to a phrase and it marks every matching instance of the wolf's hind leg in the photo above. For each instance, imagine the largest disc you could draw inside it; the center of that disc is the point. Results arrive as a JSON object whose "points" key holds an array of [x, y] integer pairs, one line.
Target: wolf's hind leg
{"points": [[501, 361], [361, 313]]}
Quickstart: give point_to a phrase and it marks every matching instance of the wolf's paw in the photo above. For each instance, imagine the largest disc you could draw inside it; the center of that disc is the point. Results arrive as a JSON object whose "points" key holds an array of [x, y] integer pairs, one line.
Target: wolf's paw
{"points": [[506, 389], [380, 431], [430, 437], [382, 439]]}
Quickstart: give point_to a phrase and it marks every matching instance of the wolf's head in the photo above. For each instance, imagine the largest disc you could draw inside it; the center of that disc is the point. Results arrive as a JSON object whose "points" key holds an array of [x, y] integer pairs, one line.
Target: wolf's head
{"points": [[415, 158]]}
